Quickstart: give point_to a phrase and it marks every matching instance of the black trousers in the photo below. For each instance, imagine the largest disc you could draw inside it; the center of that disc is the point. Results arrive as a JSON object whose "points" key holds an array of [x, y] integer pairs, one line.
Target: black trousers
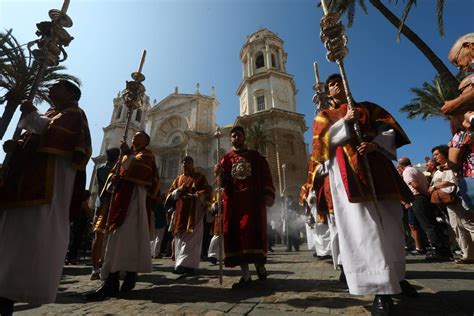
{"points": [[425, 213]]}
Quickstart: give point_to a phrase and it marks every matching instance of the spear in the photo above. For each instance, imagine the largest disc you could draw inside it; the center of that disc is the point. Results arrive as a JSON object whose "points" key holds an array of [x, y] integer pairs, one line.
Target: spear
{"points": [[217, 134]]}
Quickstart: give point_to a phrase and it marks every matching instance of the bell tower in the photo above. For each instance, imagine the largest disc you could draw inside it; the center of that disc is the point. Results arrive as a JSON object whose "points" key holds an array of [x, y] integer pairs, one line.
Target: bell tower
{"points": [[265, 83], [268, 111]]}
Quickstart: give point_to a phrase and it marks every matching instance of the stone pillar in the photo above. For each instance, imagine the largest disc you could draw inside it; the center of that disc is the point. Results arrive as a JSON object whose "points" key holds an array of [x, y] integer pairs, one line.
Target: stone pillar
{"points": [[268, 60], [252, 66], [280, 59], [249, 65]]}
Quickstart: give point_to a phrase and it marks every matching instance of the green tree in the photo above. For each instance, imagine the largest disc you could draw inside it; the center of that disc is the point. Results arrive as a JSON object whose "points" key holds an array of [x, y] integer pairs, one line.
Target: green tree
{"points": [[348, 7], [17, 75], [257, 139], [429, 99]]}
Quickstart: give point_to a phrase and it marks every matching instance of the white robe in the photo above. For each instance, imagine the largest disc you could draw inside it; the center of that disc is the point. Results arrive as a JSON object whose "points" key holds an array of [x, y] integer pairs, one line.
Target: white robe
{"points": [[128, 247], [318, 236], [188, 246], [213, 251], [34, 240], [371, 241], [334, 241]]}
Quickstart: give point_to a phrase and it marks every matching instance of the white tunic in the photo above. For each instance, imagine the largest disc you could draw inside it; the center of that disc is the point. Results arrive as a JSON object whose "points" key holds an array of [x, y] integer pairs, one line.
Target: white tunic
{"points": [[188, 246], [34, 240], [128, 247], [371, 241], [318, 236], [213, 251]]}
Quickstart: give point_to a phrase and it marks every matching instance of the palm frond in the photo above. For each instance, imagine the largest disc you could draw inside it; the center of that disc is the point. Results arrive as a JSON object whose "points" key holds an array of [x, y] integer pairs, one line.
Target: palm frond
{"points": [[404, 16]]}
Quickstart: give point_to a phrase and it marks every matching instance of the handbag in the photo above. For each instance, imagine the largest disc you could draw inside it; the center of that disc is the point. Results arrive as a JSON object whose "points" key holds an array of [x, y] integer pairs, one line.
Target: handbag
{"points": [[439, 197]]}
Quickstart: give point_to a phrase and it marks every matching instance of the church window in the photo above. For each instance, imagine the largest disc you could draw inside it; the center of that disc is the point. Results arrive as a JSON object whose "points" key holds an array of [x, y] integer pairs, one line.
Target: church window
{"points": [[273, 61], [176, 140], [119, 112], [138, 116], [260, 103], [259, 61]]}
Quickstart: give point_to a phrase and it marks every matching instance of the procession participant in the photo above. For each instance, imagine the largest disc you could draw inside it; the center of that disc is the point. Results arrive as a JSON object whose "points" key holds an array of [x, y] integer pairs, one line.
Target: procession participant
{"points": [[100, 224], [44, 183], [128, 244], [248, 191], [191, 192], [370, 232]]}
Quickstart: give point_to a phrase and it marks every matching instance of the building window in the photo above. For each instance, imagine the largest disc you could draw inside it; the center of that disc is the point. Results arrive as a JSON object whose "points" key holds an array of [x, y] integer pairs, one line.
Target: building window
{"points": [[138, 116], [119, 113], [273, 61], [260, 103], [259, 61]]}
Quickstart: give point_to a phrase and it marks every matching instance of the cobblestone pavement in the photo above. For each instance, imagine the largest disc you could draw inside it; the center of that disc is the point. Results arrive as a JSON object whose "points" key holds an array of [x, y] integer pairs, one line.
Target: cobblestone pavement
{"points": [[297, 284]]}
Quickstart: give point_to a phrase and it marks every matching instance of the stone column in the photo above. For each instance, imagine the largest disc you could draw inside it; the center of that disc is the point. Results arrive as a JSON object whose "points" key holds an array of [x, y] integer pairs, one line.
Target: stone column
{"points": [[252, 68], [268, 60], [249, 65], [280, 59]]}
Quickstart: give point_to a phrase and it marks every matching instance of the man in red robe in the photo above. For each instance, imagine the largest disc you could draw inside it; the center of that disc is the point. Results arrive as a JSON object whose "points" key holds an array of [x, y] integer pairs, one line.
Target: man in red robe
{"points": [[248, 190]]}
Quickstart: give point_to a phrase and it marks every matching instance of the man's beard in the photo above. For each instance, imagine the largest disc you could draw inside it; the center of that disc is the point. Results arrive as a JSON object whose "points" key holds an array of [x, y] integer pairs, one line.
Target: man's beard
{"points": [[238, 145]]}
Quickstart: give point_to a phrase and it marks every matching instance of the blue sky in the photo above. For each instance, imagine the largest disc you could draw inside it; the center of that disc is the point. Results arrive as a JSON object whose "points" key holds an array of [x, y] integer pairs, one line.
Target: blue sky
{"points": [[200, 40]]}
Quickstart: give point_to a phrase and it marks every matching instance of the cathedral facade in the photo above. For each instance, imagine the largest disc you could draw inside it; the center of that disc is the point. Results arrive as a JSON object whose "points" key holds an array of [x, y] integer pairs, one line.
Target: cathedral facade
{"points": [[185, 124]]}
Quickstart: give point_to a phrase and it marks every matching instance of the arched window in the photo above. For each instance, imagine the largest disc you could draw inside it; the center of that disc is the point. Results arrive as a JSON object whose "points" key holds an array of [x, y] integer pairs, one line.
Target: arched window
{"points": [[138, 116], [273, 61], [119, 113], [259, 60]]}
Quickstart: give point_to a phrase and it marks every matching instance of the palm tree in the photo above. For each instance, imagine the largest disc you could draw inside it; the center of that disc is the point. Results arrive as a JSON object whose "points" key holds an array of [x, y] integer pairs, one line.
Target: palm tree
{"points": [[17, 74], [348, 7], [257, 139], [429, 99]]}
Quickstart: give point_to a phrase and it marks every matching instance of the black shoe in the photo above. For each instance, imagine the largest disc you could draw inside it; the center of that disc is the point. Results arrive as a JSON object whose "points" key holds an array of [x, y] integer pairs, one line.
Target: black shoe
{"points": [[408, 289], [110, 288], [261, 272], [129, 282], [242, 283], [213, 260], [342, 276], [418, 252], [382, 305], [6, 306], [183, 270], [179, 270]]}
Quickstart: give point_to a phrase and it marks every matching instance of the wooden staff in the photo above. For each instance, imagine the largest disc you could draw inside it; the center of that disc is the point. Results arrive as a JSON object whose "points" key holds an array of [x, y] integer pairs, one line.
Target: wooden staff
{"points": [[217, 134]]}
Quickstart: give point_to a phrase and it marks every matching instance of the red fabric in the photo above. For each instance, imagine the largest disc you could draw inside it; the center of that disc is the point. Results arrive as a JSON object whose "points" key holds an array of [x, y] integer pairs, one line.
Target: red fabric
{"points": [[120, 204], [245, 212]]}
